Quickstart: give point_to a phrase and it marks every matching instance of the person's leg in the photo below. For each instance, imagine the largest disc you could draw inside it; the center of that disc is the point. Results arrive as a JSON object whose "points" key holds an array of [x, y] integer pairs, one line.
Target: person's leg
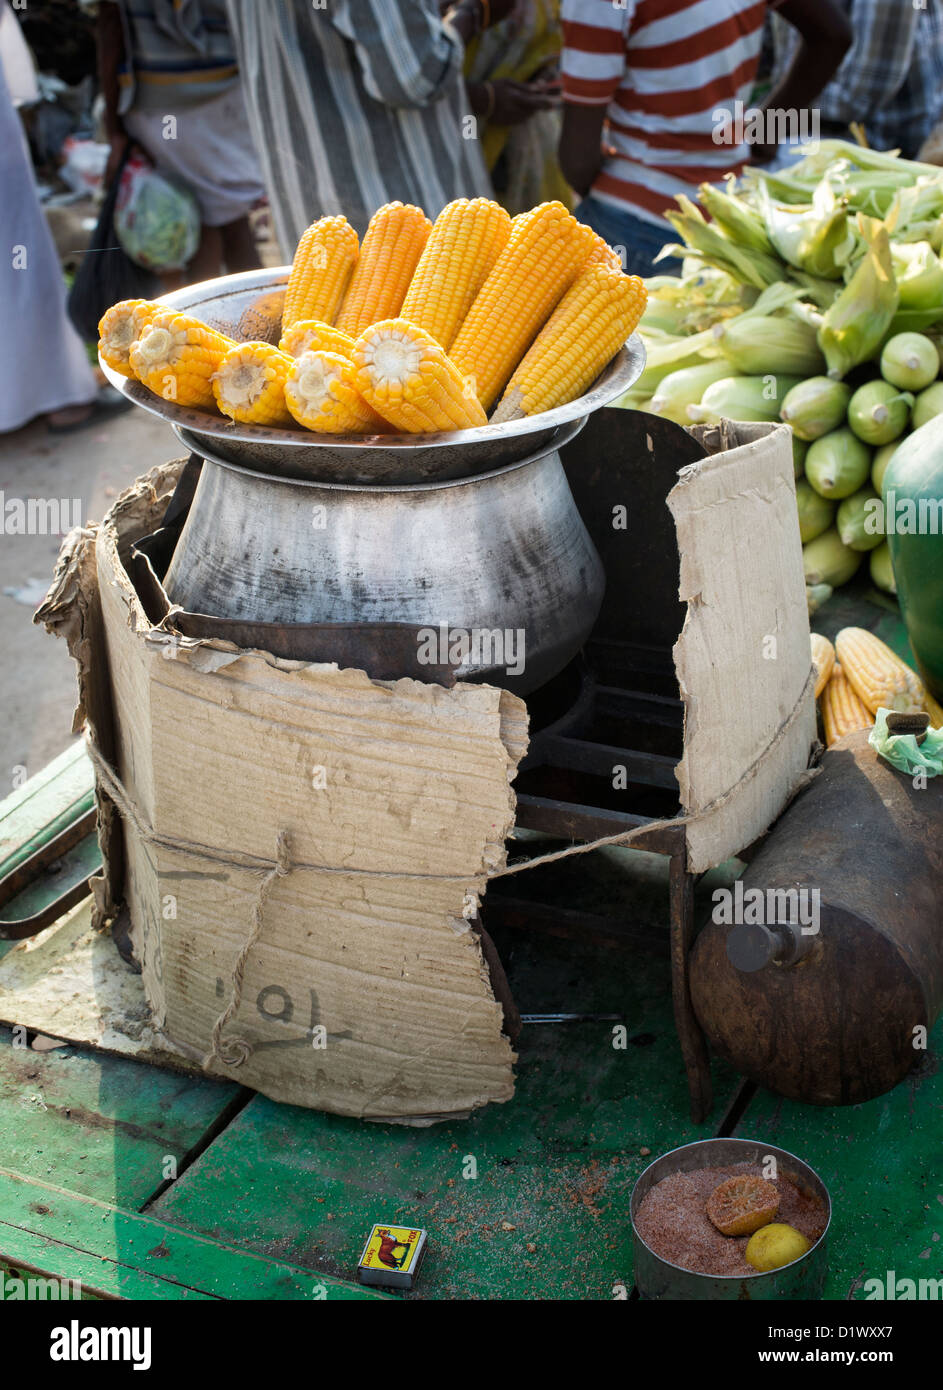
{"points": [[239, 249], [637, 241]]}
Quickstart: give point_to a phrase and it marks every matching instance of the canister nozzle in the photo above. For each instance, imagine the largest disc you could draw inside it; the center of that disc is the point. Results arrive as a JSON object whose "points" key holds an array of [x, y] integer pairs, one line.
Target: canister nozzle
{"points": [[753, 946]]}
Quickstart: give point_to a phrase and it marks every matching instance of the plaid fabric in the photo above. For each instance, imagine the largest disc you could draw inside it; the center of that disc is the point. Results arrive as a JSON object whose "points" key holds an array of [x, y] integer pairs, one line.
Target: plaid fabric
{"points": [[891, 79]]}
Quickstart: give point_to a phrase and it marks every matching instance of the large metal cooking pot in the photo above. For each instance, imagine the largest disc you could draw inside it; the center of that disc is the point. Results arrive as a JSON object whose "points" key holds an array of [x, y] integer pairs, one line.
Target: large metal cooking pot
{"points": [[500, 561]]}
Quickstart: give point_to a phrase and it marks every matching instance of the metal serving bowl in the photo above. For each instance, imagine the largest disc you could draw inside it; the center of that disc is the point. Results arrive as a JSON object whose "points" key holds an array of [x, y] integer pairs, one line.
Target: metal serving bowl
{"points": [[358, 458], [657, 1278]]}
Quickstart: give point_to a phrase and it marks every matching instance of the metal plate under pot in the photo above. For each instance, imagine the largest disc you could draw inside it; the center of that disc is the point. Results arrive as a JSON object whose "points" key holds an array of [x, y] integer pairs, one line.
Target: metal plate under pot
{"points": [[504, 552], [357, 458]]}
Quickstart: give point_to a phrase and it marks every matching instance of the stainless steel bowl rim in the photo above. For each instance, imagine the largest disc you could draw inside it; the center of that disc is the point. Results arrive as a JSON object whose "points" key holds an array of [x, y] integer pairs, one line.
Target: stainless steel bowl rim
{"points": [[615, 379], [191, 440], [731, 1139]]}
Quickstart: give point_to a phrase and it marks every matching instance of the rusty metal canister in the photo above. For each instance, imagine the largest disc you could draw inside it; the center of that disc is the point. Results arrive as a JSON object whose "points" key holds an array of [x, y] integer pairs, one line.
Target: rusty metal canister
{"points": [[839, 1012]]}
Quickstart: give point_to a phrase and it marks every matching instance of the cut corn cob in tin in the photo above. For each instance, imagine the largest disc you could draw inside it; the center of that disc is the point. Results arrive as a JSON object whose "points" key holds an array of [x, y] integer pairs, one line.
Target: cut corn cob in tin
{"points": [[119, 327], [823, 659], [543, 256], [320, 272], [404, 374], [176, 357], [249, 384], [464, 244], [392, 246], [585, 331], [842, 710], [321, 394], [311, 335], [876, 673], [260, 321]]}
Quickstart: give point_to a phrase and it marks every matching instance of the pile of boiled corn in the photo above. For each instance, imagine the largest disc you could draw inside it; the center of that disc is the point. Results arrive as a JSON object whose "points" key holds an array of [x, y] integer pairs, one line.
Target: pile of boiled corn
{"points": [[422, 327], [860, 675], [813, 296]]}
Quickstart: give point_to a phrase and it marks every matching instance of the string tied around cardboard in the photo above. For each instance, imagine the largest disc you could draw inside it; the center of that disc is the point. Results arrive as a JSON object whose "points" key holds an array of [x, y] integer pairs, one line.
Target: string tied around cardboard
{"points": [[234, 1051]]}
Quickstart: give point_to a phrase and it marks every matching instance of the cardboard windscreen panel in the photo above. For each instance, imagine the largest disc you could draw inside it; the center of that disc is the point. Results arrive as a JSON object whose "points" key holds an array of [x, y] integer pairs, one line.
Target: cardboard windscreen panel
{"points": [[366, 991]]}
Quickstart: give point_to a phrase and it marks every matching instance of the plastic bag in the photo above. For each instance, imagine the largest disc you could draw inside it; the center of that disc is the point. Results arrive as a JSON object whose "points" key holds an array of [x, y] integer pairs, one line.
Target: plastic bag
{"points": [[105, 274], [156, 221], [902, 750]]}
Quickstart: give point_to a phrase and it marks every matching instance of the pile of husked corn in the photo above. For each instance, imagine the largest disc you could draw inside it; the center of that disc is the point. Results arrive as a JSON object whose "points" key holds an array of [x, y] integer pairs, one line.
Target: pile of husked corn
{"points": [[859, 676], [421, 328]]}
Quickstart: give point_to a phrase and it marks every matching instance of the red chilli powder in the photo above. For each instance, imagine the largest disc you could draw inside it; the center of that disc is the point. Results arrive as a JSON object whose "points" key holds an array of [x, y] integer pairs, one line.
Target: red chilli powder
{"points": [[672, 1220]]}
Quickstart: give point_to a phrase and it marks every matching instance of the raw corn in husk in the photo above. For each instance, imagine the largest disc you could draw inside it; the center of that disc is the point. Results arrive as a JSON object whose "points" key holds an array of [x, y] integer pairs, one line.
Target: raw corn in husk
{"points": [[910, 361], [882, 458], [818, 239], [919, 275], [741, 222], [838, 464], [855, 520], [742, 398], [826, 561], [816, 595], [799, 450], [882, 569], [928, 404], [816, 513], [816, 406], [680, 389], [707, 242], [763, 343], [854, 326], [879, 413]]}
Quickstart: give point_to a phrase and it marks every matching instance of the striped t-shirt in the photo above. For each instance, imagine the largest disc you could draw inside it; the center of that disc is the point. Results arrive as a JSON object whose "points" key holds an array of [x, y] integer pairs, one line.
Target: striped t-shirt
{"points": [[664, 69]]}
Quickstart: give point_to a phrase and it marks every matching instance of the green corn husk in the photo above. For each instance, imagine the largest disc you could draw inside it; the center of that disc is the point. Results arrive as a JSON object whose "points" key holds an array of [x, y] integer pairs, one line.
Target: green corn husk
{"points": [[818, 239], [678, 390], [856, 323], [927, 404], [710, 245], [816, 513], [742, 223], [919, 275], [816, 595], [816, 406], [763, 343], [882, 458], [909, 361], [671, 355], [742, 398], [882, 570], [879, 413], [855, 519], [799, 450], [838, 464], [826, 561]]}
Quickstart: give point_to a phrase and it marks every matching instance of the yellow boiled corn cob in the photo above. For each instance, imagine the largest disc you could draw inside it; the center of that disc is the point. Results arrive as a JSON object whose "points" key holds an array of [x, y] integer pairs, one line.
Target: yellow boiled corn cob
{"points": [[176, 357], [878, 675], [460, 254], [823, 659], [603, 254], [119, 327], [321, 394], [249, 384], [321, 271], [586, 329], [392, 246], [404, 374], [544, 253], [311, 335], [842, 710]]}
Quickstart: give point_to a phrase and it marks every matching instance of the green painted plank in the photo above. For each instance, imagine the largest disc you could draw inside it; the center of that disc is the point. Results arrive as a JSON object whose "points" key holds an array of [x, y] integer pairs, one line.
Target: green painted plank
{"points": [[44, 805], [122, 1254], [100, 1125], [547, 1214], [881, 1164]]}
